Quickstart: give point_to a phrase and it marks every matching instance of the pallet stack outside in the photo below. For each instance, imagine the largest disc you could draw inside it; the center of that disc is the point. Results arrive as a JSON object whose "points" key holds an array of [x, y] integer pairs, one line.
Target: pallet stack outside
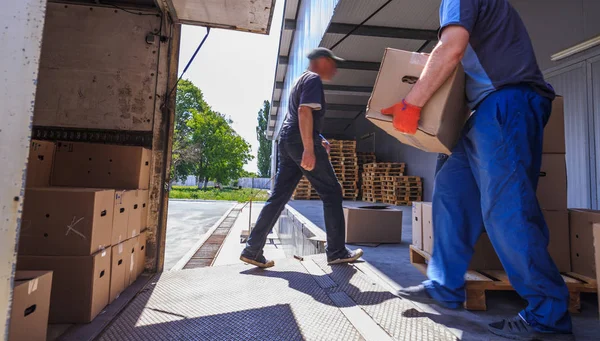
{"points": [[373, 179], [345, 164], [305, 191], [363, 159], [402, 190]]}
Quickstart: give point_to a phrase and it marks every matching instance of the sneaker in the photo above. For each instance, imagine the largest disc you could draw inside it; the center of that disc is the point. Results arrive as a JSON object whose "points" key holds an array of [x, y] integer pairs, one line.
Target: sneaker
{"points": [[260, 261], [350, 257], [517, 329], [417, 293]]}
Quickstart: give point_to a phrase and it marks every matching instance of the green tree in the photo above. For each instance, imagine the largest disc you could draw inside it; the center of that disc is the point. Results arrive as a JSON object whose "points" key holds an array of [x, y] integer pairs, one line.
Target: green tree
{"points": [[264, 145]]}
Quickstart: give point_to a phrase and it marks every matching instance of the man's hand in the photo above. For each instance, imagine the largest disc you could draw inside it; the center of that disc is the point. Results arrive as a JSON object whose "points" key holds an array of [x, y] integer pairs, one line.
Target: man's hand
{"points": [[308, 160], [326, 145]]}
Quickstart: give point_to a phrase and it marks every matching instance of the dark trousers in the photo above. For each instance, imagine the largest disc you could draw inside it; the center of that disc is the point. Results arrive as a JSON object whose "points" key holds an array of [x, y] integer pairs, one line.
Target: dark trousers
{"points": [[289, 173], [489, 183]]}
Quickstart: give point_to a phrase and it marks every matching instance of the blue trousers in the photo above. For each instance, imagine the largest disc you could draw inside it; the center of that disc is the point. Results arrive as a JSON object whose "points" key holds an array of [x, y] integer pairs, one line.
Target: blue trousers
{"points": [[490, 182], [289, 173]]}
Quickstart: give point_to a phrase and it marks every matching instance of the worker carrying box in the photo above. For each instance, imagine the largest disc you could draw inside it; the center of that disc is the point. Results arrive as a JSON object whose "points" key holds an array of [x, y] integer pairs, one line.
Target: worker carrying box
{"points": [[491, 176]]}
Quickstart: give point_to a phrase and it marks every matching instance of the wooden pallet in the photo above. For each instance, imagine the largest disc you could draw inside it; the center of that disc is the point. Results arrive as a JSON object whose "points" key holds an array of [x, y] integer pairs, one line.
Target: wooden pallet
{"points": [[480, 281]]}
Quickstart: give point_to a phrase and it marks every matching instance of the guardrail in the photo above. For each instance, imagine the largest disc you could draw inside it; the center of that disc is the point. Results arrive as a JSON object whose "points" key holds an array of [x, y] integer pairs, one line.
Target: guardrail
{"points": [[298, 235]]}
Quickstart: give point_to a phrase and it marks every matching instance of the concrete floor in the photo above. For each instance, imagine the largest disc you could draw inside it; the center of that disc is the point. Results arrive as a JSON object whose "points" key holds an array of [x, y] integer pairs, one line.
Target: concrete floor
{"points": [[188, 220], [392, 263]]}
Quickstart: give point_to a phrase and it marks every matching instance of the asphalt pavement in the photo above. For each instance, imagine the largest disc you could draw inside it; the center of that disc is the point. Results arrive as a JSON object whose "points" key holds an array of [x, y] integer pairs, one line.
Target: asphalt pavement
{"points": [[187, 222]]}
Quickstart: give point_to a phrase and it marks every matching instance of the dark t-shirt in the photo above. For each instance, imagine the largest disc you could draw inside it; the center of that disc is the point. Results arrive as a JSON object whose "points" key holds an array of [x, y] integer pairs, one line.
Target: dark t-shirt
{"points": [[308, 91], [499, 53]]}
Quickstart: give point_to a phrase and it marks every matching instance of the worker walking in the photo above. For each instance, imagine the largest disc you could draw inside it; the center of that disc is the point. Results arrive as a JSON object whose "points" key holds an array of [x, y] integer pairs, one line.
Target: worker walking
{"points": [[303, 151], [491, 177]]}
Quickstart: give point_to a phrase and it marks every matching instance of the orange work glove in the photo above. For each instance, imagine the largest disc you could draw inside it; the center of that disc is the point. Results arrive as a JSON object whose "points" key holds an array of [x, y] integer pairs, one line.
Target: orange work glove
{"points": [[406, 117]]}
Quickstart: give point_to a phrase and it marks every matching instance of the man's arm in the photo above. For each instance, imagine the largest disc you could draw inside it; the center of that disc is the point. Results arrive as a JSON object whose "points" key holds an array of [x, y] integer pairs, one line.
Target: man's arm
{"points": [[443, 60], [305, 120]]}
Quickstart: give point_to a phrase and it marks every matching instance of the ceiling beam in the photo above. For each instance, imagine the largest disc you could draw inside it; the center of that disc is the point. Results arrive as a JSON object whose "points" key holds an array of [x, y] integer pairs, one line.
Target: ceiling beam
{"points": [[374, 31], [383, 32], [336, 107], [340, 88], [347, 65]]}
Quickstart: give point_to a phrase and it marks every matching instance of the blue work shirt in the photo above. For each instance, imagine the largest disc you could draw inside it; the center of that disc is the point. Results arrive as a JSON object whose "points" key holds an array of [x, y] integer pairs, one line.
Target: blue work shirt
{"points": [[307, 91], [499, 53]]}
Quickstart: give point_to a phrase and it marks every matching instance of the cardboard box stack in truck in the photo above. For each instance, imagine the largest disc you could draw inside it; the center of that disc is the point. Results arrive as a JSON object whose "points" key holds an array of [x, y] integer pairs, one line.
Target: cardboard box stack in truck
{"points": [[85, 219]]}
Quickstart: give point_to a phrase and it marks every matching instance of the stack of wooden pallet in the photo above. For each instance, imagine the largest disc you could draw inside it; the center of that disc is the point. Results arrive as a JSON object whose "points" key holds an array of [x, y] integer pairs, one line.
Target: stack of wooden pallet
{"points": [[364, 158], [373, 179], [402, 190], [345, 164], [305, 191]]}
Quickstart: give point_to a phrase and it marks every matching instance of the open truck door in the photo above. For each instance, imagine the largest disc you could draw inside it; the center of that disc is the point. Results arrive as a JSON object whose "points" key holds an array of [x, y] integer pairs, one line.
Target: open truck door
{"points": [[58, 64]]}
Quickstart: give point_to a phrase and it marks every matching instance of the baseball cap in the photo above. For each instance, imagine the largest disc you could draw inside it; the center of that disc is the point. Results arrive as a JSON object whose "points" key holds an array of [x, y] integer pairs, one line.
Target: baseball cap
{"points": [[323, 52]]}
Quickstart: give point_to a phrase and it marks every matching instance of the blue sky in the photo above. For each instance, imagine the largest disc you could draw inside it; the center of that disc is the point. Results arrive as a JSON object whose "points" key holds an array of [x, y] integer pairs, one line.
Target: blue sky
{"points": [[235, 71]]}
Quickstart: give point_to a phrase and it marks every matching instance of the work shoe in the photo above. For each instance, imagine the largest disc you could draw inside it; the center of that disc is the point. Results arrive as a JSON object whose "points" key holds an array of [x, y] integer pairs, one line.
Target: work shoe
{"points": [[517, 329], [350, 257], [260, 261], [417, 293]]}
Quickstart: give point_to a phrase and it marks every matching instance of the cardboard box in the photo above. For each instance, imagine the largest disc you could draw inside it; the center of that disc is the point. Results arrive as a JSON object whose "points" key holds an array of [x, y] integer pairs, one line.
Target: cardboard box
{"points": [[39, 164], [140, 254], [136, 212], [597, 252], [373, 224], [485, 258], [30, 306], [130, 260], [581, 223], [442, 118], [117, 271], [80, 284], [552, 186], [123, 205], [101, 165], [427, 227], [554, 132], [66, 221], [145, 199], [417, 225]]}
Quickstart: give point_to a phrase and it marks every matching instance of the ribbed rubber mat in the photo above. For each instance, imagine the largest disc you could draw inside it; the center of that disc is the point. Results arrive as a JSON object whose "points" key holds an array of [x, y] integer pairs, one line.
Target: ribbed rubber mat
{"points": [[396, 316], [233, 303]]}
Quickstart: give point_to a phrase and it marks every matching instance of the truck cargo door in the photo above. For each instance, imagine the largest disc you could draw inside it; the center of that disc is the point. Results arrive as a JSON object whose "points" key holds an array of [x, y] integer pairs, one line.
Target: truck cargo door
{"points": [[241, 15]]}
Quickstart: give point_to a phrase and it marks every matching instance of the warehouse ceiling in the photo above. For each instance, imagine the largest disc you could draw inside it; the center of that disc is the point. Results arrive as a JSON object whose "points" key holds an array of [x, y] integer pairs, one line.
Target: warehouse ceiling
{"points": [[402, 24]]}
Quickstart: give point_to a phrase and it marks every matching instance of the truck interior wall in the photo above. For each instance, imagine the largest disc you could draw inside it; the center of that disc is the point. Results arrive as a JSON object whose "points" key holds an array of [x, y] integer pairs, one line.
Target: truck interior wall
{"points": [[104, 75], [388, 149], [556, 25]]}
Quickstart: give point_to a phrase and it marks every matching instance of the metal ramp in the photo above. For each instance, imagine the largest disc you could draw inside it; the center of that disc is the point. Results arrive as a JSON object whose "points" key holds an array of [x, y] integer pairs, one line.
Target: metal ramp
{"points": [[296, 300]]}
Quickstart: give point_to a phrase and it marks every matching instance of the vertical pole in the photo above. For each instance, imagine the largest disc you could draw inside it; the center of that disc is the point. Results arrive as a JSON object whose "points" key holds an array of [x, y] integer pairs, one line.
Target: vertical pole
{"points": [[250, 210], [20, 40]]}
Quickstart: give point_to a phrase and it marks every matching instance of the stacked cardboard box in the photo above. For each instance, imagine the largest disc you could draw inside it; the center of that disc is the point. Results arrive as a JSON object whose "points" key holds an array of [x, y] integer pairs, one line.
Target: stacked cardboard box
{"points": [[552, 197], [83, 219], [373, 179], [31, 306], [402, 190], [581, 223]]}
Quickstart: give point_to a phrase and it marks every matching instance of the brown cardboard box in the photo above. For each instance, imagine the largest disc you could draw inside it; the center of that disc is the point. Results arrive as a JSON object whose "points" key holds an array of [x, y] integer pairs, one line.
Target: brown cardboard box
{"points": [[124, 200], [485, 257], [427, 227], [140, 254], [443, 116], [552, 186], [554, 133], [131, 245], [145, 199], [136, 213], [66, 221], [582, 246], [101, 165], [597, 252], [80, 284], [360, 226], [117, 271], [39, 166], [417, 225], [30, 306]]}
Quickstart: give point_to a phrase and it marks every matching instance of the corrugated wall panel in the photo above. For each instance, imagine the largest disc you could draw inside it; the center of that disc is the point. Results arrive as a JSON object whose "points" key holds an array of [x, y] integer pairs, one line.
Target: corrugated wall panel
{"points": [[595, 68], [572, 84]]}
